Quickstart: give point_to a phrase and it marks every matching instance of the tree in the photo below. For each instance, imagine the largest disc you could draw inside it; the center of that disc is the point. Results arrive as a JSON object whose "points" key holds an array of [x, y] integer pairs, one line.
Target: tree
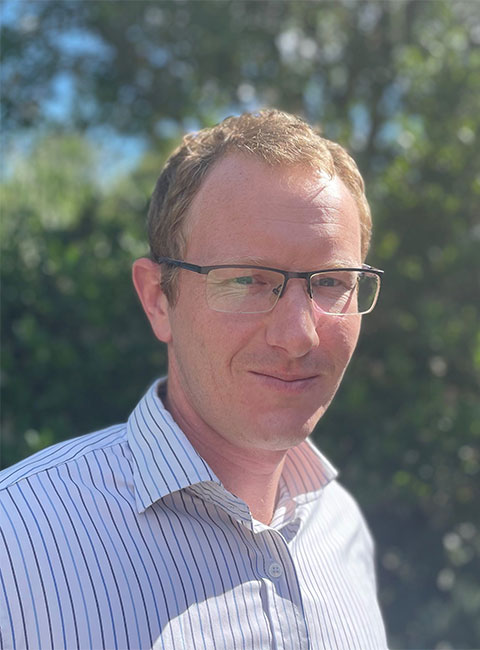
{"points": [[74, 334], [397, 82]]}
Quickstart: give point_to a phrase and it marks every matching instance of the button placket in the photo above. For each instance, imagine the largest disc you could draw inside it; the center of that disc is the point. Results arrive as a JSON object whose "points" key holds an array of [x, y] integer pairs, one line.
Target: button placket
{"points": [[284, 606]]}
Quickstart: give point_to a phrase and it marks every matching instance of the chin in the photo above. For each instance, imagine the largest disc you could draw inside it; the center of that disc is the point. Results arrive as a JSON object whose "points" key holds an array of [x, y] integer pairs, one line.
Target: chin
{"points": [[278, 432]]}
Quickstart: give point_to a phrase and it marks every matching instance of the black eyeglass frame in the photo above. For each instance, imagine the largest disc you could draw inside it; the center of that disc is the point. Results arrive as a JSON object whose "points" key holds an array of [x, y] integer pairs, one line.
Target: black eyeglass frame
{"points": [[306, 275]]}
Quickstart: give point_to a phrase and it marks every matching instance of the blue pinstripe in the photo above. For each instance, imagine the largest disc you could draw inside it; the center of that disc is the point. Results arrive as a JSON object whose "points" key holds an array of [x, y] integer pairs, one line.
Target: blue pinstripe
{"points": [[236, 539], [126, 539], [199, 597], [74, 563], [120, 565], [30, 590], [92, 545], [6, 599], [47, 555], [128, 532]]}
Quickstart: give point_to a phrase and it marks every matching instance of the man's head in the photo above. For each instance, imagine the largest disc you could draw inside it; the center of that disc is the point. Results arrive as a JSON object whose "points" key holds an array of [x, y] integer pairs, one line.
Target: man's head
{"points": [[273, 137], [258, 190]]}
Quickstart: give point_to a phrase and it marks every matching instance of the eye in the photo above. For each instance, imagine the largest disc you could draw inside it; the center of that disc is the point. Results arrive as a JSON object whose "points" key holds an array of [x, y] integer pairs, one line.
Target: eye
{"points": [[243, 279], [251, 280], [326, 281], [341, 281]]}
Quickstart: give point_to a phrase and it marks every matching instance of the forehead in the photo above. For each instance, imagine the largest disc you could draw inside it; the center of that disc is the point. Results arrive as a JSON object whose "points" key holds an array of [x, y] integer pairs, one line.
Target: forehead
{"points": [[247, 210]]}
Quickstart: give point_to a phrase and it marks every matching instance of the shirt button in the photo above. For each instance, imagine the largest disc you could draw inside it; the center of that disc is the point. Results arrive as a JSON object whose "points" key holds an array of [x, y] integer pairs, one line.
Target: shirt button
{"points": [[275, 570]]}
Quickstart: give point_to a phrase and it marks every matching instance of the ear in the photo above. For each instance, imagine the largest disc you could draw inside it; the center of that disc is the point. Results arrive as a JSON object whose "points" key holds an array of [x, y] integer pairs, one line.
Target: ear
{"points": [[146, 277]]}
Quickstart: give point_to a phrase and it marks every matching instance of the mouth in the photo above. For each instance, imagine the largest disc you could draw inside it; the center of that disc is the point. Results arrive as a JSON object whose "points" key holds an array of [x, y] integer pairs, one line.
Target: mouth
{"points": [[289, 383]]}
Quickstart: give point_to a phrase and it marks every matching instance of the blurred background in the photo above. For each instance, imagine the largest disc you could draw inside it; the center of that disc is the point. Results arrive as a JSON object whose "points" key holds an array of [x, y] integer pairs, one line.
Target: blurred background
{"points": [[94, 96]]}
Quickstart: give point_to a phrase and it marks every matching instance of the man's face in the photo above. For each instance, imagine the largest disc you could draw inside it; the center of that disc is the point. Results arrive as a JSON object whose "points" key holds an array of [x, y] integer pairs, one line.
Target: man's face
{"points": [[262, 381]]}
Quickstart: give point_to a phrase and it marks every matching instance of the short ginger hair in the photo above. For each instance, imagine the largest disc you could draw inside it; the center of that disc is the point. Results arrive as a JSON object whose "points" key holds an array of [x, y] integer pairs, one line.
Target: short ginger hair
{"points": [[272, 136]]}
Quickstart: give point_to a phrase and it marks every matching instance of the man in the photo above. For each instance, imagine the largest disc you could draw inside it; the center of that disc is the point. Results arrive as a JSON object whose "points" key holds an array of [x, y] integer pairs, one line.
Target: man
{"points": [[209, 521]]}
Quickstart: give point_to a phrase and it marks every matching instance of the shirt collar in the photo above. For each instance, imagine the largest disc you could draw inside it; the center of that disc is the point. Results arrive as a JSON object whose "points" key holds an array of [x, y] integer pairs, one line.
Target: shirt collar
{"points": [[165, 461], [163, 458], [306, 472]]}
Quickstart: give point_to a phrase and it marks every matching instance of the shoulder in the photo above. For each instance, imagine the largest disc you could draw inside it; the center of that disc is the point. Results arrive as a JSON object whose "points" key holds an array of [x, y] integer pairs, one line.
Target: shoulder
{"points": [[342, 497], [61, 454], [345, 514]]}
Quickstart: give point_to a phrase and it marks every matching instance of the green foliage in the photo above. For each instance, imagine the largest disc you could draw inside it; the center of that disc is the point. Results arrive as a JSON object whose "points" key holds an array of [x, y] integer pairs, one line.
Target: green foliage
{"points": [[76, 346], [398, 83]]}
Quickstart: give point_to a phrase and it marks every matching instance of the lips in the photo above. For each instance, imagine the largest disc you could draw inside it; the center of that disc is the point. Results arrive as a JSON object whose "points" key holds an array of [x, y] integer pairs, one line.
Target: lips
{"points": [[286, 382], [287, 378]]}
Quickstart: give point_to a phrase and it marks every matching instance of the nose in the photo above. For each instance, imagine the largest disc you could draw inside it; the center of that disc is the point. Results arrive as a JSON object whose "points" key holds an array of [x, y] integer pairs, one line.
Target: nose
{"points": [[293, 322]]}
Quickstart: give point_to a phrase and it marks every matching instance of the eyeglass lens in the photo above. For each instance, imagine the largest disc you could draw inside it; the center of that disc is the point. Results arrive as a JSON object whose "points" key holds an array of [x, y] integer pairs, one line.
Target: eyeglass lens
{"points": [[256, 290]]}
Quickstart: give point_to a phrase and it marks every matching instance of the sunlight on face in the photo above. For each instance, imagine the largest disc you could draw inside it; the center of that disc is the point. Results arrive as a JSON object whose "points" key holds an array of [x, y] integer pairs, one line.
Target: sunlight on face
{"points": [[262, 380]]}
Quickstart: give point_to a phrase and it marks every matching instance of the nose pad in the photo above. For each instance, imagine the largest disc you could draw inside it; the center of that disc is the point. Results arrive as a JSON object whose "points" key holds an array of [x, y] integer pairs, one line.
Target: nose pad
{"points": [[309, 288], [280, 290]]}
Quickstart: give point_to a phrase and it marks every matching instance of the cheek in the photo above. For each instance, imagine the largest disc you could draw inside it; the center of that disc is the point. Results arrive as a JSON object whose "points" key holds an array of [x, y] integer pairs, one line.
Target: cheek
{"points": [[345, 338], [206, 341]]}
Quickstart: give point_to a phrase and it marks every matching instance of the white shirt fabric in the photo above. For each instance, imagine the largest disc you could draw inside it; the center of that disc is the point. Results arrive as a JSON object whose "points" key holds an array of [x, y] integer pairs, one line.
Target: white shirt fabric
{"points": [[126, 539]]}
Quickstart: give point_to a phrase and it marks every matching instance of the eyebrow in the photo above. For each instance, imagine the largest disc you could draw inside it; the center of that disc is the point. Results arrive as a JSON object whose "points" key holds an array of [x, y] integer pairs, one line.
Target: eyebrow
{"points": [[342, 263], [329, 264]]}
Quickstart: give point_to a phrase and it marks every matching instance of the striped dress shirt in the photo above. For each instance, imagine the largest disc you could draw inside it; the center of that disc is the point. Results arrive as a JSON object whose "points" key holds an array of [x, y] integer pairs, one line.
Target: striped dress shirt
{"points": [[126, 539]]}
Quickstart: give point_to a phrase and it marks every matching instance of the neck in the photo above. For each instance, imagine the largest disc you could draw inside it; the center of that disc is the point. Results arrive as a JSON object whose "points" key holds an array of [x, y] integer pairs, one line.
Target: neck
{"points": [[252, 475], [253, 479]]}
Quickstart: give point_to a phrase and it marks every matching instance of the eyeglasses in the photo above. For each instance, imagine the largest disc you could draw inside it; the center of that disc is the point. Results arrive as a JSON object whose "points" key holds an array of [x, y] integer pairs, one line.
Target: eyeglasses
{"points": [[244, 289]]}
